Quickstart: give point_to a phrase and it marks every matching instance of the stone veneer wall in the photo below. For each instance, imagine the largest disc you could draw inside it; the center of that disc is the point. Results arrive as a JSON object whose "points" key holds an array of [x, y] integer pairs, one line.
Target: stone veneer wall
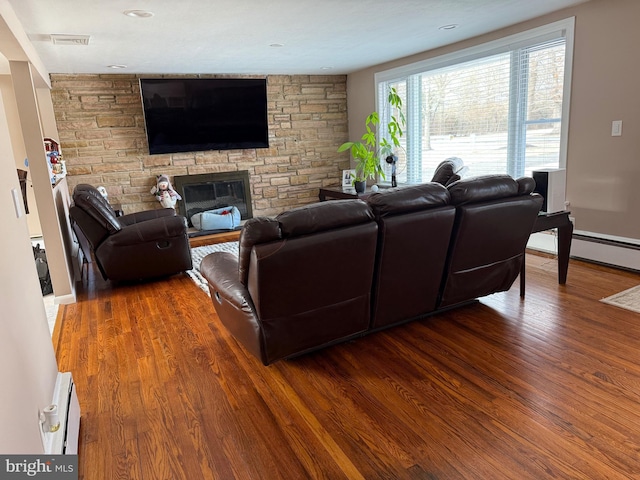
{"points": [[103, 141]]}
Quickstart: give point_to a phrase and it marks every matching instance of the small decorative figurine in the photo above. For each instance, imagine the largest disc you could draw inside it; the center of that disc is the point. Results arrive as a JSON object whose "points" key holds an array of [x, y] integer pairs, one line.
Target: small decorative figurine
{"points": [[165, 193]]}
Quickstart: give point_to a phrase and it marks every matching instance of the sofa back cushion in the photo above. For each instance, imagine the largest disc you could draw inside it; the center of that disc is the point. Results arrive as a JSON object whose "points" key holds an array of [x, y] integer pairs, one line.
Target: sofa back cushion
{"points": [[493, 224], [526, 185], [319, 217], [93, 215], [310, 281], [395, 201], [448, 171], [89, 199], [482, 189], [414, 230]]}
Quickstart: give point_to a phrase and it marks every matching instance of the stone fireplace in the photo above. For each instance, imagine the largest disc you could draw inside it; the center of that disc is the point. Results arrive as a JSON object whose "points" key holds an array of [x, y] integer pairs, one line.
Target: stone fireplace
{"points": [[208, 191]]}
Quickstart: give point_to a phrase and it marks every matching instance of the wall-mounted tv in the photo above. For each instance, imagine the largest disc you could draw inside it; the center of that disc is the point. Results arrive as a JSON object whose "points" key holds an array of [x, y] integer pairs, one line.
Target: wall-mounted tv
{"points": [[197, 114]]}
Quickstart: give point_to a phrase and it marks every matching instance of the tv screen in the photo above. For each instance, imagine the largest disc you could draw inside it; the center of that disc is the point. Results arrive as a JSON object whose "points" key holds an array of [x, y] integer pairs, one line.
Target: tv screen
{"points": [[196, 114]]}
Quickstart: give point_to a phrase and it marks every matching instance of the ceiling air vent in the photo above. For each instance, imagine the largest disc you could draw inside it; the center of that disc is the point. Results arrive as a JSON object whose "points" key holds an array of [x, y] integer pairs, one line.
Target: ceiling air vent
{"points": [[60, 39]]}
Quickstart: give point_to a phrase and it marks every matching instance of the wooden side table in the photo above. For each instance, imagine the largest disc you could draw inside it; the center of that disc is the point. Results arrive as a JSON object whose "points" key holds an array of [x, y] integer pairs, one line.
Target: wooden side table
{"points": [[342, 193], [548, 221], [561, 221]]}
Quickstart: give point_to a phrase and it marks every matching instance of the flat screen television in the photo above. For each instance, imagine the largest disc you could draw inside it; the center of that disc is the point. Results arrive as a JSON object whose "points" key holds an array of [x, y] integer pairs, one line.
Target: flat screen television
{"points": [[198, 114]]}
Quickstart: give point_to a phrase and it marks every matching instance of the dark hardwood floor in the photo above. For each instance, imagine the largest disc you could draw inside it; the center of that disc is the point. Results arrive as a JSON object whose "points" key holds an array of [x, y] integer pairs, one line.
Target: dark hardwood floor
{"points": [[542, 388]]}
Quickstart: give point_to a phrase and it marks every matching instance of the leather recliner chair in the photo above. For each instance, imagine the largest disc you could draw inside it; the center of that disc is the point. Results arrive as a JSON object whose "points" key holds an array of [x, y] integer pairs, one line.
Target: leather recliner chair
{"points": [[449, 171], [494, 218], [414, 230], [142, 245], [302, 280]]}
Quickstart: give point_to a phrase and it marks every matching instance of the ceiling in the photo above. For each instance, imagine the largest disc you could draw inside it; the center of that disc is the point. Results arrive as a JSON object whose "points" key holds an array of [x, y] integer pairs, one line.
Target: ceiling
{"points": [[257, 36]]}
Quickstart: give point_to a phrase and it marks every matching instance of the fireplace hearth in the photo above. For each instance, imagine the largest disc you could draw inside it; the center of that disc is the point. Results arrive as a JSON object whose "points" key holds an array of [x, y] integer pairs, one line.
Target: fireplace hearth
{"points": [[208, 191]]}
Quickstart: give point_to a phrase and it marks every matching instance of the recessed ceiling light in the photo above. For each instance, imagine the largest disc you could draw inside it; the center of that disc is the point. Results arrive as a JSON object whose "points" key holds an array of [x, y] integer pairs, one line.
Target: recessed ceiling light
{"points": [[115, 67], [138, 13], [277, 45], [326, 68], [451, 26]]}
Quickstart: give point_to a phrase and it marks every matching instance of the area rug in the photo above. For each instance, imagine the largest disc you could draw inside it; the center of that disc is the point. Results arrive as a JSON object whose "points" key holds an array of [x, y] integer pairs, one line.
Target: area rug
{"points": [[627, 299], [198, 253]]}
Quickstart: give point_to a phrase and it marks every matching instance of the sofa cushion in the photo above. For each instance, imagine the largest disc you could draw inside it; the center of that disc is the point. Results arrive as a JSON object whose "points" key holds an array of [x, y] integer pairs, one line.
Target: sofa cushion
{"points": [[318, 217], [91, 201], [482, 189], [408, 199], [526, 185], [447, 172]]}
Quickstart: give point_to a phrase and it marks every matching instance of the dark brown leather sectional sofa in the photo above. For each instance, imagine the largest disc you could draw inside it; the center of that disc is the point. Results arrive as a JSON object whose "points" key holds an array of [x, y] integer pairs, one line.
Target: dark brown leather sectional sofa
{"points": [[331, 271]]}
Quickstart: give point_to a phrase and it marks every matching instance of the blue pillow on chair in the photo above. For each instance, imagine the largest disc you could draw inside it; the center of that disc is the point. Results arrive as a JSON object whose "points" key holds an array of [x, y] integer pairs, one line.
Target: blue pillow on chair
{"points": [[225, 218]]}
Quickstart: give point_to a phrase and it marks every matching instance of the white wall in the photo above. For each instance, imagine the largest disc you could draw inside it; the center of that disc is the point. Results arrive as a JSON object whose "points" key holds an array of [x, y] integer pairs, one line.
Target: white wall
{"points": [[28, 366], [601, 170], [19, 152], [53, 219]]}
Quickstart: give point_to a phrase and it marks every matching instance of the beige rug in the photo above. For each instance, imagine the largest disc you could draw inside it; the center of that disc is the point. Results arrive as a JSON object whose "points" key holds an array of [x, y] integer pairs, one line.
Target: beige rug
{"points": [[628, 299], [198, 253]]}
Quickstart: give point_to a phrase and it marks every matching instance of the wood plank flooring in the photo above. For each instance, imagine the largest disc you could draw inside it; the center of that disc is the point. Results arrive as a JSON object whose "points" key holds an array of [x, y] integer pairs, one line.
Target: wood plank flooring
{"points": [[542, 388]]}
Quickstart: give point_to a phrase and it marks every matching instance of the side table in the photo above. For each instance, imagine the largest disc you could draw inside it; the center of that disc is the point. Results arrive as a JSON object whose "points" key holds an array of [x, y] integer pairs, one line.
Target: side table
{"points": [[341, 193], [561, 221]]}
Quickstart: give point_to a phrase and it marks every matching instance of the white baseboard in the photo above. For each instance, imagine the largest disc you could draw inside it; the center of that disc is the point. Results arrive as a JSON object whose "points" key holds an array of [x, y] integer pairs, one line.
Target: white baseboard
{"points": [[623, 253], [594, 247], [66, 299]]}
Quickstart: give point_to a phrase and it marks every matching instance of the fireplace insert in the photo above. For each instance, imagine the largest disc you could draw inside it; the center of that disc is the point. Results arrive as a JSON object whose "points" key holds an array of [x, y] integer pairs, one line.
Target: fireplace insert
{"points": [[208, 191]]}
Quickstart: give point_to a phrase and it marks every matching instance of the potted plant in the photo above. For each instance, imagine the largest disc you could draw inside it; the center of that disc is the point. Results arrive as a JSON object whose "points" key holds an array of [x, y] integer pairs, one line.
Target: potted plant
{"points": [[369, 150]]}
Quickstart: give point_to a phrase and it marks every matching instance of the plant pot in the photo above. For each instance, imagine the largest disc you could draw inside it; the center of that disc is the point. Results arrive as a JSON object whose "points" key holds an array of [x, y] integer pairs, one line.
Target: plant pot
{"points": [[360, 186]]}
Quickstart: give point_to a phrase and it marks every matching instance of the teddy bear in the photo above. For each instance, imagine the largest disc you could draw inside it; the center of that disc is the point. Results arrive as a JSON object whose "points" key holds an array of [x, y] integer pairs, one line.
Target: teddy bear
{"points": [[164, 192]]}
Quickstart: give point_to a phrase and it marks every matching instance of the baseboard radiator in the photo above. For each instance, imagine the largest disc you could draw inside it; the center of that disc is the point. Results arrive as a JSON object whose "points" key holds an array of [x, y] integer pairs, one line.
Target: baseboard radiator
{"points": [[60, 422], [603, 249], [607, 250]]}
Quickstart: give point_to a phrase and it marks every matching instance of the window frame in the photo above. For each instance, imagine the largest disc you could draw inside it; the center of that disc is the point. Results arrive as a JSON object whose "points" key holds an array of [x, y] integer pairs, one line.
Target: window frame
{"points": [[565, 28]]}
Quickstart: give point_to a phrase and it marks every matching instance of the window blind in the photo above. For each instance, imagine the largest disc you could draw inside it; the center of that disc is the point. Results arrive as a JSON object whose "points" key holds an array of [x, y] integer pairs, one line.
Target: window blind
{"points": [[501, 111]]}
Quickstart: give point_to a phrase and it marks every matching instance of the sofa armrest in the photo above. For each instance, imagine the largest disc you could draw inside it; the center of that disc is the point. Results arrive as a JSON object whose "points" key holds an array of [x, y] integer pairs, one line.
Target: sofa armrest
{"points": [[256, 230], [221, 271], [150, 231], [232, 301], [146, 215]]}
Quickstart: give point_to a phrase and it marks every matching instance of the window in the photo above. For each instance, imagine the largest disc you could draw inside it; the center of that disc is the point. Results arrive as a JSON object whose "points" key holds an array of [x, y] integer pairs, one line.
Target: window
{"points": [[501, 107]]}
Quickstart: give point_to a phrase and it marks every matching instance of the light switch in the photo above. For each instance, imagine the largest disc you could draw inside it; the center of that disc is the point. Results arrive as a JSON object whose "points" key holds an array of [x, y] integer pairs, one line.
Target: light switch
{"points": [[616, 128]]}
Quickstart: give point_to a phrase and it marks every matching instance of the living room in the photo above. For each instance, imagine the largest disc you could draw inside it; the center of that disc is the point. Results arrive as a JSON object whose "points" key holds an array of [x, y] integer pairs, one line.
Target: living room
{"points": [[110, 149]]}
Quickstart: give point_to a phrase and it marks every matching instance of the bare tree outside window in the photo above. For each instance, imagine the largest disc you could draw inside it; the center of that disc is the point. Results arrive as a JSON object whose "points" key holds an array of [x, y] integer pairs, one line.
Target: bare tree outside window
{"points": [[500, 113]]}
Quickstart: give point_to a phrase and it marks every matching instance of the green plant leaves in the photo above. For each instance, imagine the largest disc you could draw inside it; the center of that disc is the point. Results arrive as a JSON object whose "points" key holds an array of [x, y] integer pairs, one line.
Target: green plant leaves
{"points": [[369, 150]]}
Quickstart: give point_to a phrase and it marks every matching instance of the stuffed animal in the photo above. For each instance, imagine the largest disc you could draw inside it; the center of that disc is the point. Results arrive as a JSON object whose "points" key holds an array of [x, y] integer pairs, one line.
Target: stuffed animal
{"points": [[164, 192]]}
